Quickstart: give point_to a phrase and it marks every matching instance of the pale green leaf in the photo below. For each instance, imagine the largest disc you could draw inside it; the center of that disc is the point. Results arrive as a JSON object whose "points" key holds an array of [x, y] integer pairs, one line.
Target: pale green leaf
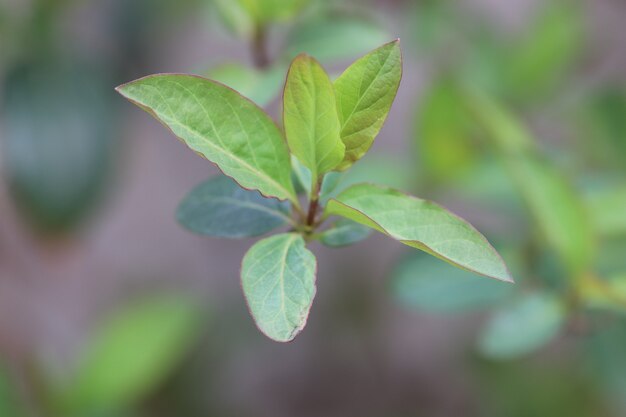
{"points": [[219, 207], [365, 92], [427, 284], [132, 352], [310, 117], [278, 281], [344, 233], [526, 325], [420, 224], [221, 125]]}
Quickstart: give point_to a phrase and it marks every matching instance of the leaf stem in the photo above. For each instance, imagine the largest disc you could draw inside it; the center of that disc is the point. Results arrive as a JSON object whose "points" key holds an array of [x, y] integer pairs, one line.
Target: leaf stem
{"points": [[260, 56], [314, 204]]}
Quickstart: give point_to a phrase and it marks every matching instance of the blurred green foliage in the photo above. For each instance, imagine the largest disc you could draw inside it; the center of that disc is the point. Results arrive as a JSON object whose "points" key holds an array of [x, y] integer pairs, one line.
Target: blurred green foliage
{"points": [[57, 144], [130, 354], [474, 136]]}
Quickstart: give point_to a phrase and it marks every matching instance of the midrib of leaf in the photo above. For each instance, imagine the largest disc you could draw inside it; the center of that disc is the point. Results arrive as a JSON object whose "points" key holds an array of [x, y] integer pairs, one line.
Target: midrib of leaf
{"points": [[221, 149], [362, 95]]}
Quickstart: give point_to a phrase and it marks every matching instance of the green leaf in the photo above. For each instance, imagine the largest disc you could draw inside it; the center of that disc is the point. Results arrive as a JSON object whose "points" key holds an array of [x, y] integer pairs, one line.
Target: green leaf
{"points": [[278, 280], [365, 92], [219, 207], [522, 327], [132, 352], [552, 201], [260, 86], [332, 38], [220, 125], [420, 224], [426, 284], [344, 233], [310, 117]]}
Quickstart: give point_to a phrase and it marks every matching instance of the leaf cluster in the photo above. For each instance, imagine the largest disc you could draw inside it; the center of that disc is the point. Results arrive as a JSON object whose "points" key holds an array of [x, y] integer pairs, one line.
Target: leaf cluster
{"points": [[327, 127]]}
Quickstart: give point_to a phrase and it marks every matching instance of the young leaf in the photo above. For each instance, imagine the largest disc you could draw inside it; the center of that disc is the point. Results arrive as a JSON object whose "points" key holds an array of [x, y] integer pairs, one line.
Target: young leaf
{"points": [[345, 232], [131, 353], [219, 207], [522, 327], [365, 92], [426, 284], [221, 125], [310, 117], [278, 280], [420, 224]]}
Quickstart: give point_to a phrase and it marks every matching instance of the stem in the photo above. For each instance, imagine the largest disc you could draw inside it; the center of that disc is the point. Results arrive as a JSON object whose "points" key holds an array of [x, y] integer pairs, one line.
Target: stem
{"points": [[314, 204], [259, 47]]}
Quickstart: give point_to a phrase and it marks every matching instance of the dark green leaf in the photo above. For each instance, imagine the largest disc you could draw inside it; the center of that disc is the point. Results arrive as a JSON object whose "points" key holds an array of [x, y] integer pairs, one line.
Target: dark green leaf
{"points": [[344, 233], [219, 207]]}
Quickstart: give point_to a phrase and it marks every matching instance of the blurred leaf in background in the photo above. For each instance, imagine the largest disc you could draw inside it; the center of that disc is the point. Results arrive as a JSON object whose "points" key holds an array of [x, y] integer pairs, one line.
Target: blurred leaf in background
{"points": [[332, 37], [522, 327], [444, 135], [546, 50], [549, 387], [8, 401], [131, 353], [554, 204], [601, 124], [428, 284], [57, 140], [259, 85], [606, 362]]}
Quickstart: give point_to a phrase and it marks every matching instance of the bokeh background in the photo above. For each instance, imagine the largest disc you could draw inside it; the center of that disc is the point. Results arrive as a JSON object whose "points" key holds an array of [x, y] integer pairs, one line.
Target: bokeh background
{"points": [[510, 113]]}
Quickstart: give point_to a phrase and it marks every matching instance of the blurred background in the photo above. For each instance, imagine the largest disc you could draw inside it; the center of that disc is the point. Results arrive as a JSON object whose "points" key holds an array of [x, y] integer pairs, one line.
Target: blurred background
{"points": [[510, 113]]}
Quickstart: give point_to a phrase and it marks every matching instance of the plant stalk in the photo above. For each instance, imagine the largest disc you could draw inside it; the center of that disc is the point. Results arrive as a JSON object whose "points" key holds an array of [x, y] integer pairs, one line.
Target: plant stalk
{"points": [[260, 56]]}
